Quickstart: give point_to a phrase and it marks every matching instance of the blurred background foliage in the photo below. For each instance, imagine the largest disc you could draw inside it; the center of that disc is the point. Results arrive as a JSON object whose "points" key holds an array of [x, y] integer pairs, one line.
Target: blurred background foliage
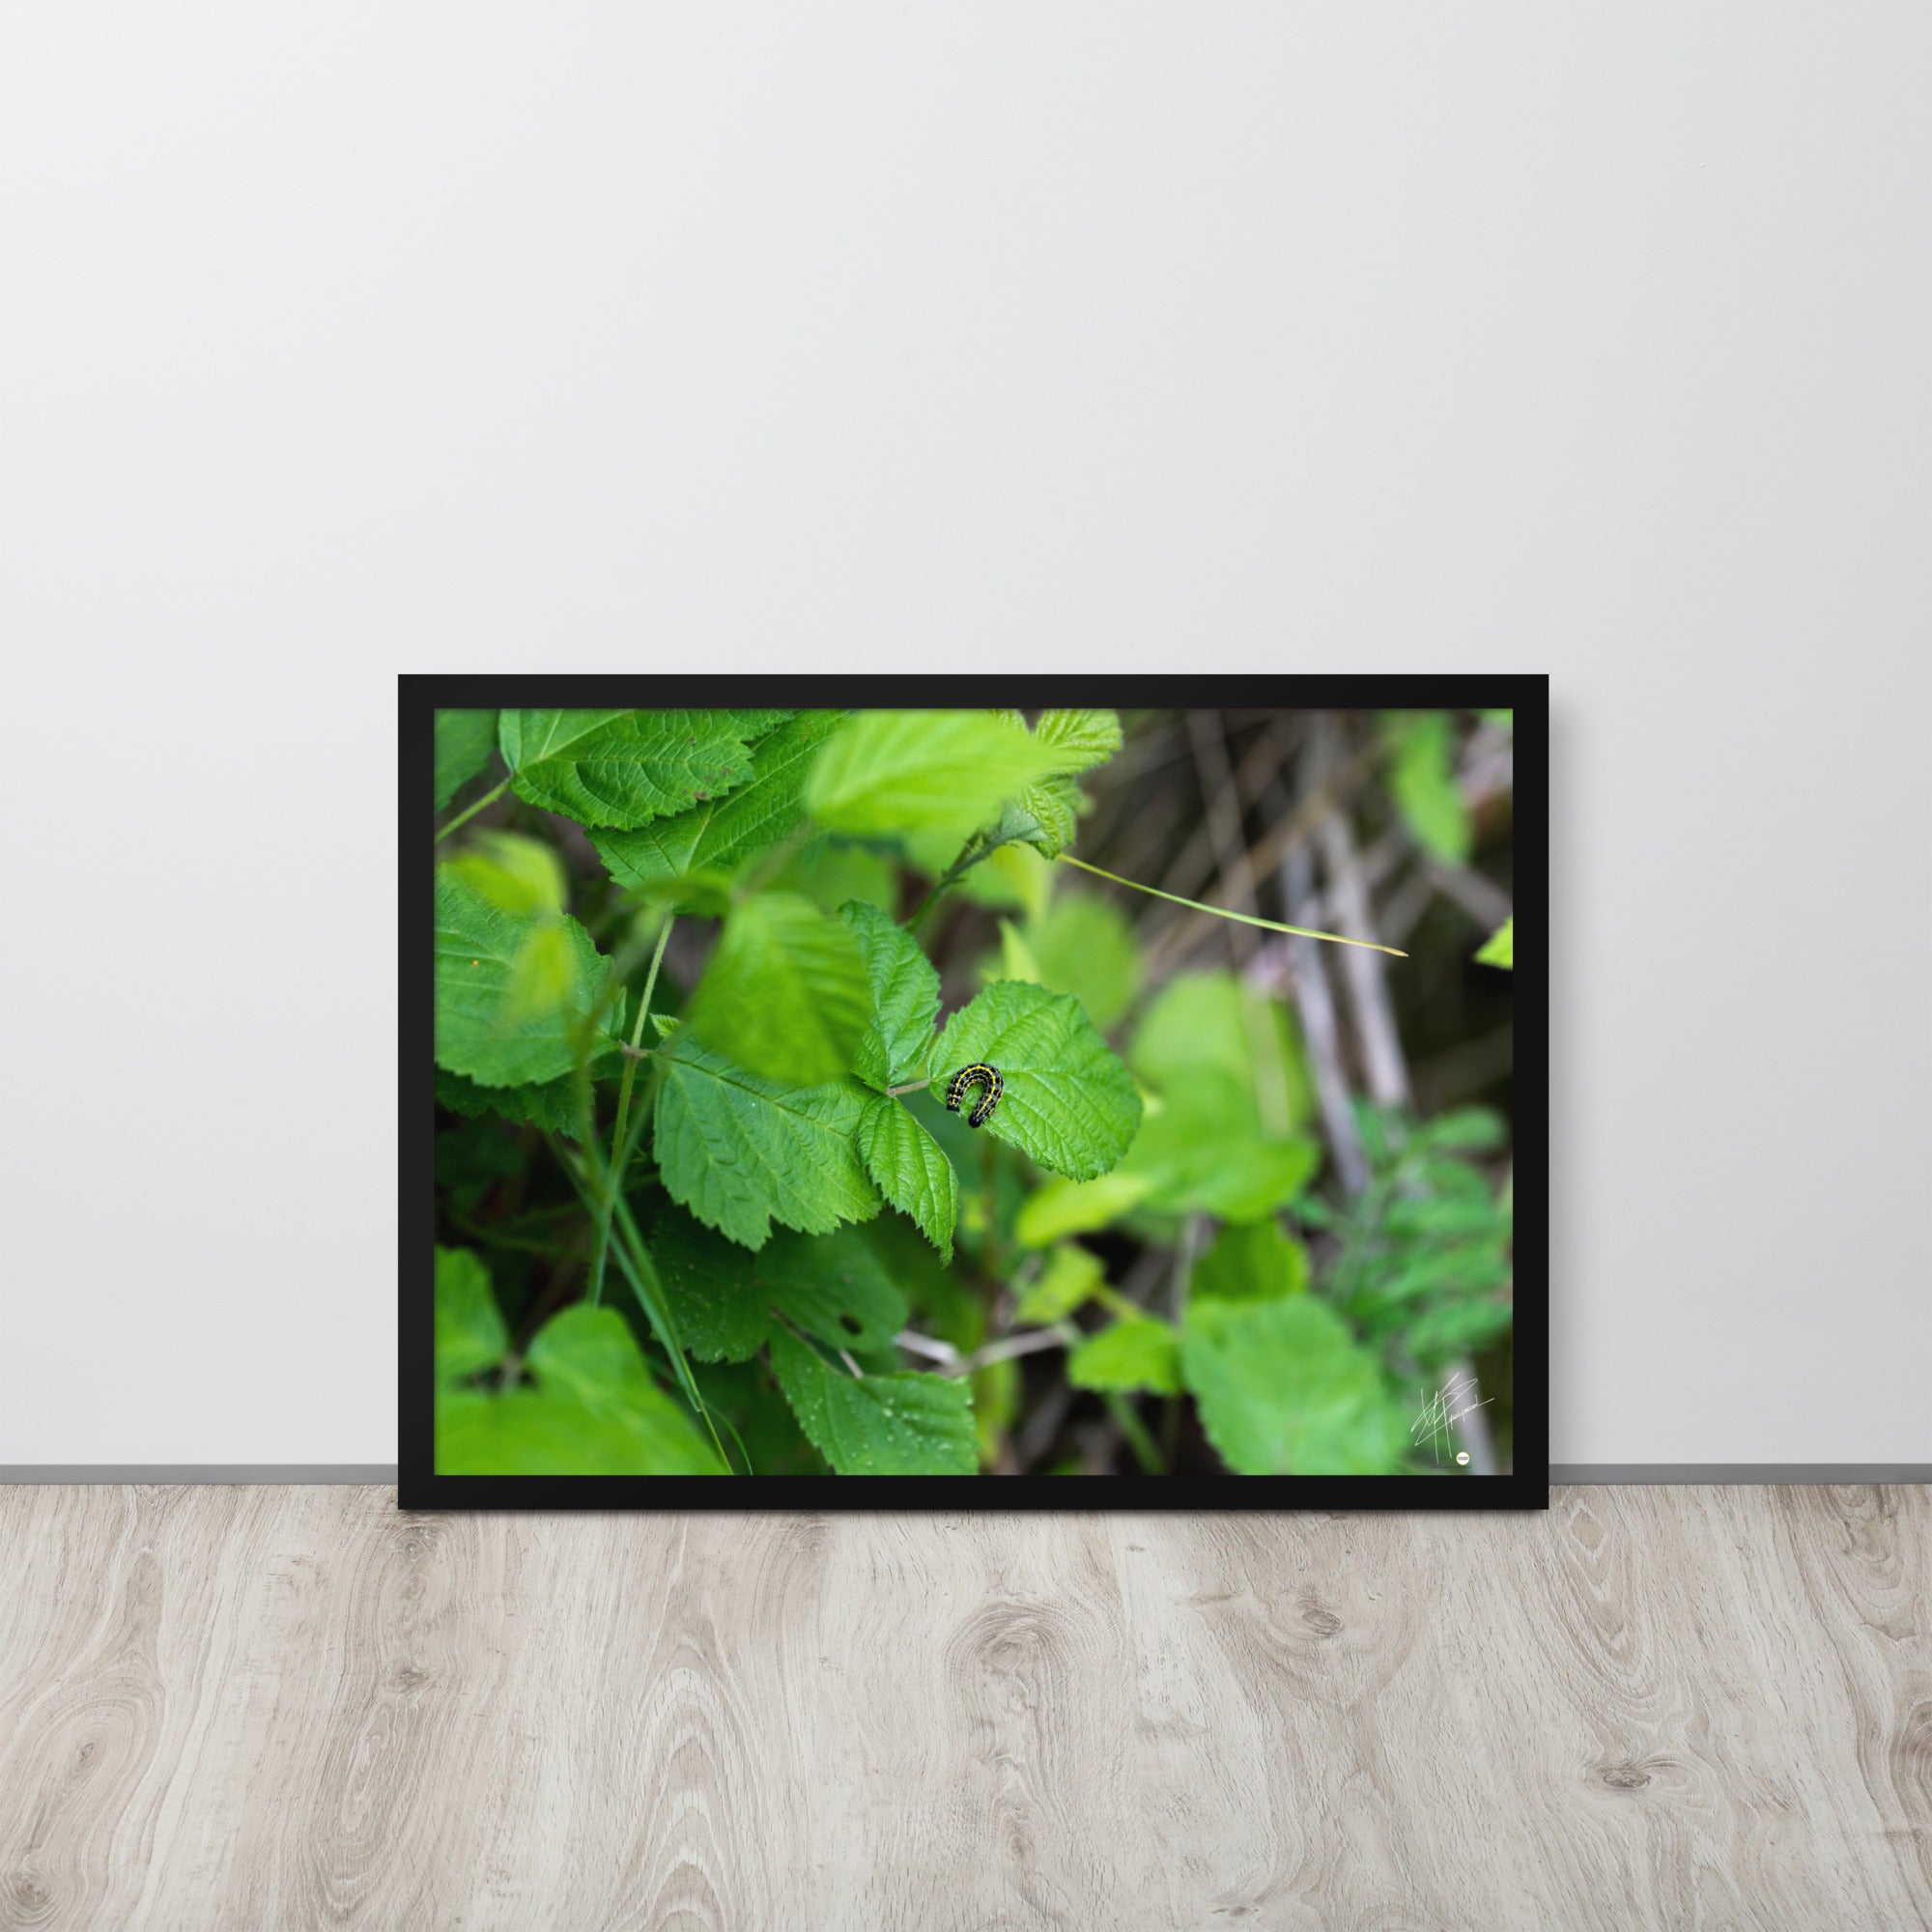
{"points": [[1307, 1243]]}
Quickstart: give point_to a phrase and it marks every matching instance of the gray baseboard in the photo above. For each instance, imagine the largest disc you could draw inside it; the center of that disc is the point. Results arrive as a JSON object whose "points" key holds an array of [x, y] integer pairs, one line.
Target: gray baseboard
{"points": [[384, 1474], [1739, 1472], [198, 1472]]}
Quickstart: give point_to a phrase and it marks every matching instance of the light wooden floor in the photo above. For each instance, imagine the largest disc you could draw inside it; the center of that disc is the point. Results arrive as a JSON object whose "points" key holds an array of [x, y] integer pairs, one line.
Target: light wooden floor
{"points": [[293, 1708]]}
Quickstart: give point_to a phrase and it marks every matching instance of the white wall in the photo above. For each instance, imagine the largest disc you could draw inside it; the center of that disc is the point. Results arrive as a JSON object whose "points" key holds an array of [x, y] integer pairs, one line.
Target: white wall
{"points": [[339, 341]]}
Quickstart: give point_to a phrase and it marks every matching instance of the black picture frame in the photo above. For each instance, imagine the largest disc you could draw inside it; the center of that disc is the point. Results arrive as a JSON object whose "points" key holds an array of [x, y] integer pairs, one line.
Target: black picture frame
{"points": [[421, 1488]]}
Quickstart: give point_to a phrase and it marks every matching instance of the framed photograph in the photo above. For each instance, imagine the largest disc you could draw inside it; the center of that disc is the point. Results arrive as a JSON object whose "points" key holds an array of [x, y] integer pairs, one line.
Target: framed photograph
{"points": [[827, 1092]]}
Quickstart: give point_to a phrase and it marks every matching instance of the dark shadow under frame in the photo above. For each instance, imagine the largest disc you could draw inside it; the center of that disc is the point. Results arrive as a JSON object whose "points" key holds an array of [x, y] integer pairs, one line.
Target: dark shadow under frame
{"points": [[420, 1488]]}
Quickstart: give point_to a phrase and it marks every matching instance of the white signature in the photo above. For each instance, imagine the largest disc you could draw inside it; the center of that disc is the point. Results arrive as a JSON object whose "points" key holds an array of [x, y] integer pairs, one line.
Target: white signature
{"points": [[1442, 1409]]}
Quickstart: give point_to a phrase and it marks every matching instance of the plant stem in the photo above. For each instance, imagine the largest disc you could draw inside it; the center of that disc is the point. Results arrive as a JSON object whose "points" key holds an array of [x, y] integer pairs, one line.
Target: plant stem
{"points": [[634, 1259], [489, 798], [620, 1143], [911, 1086], [1027, 1341], [638, 1027], [928, 1346], [1222, 911], [1126, 1419], [970, 855], [1192, 1230]]}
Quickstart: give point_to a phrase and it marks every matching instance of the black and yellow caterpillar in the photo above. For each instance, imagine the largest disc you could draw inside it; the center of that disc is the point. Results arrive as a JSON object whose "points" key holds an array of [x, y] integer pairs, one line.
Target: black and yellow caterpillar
{"points": [[983, 1075]]}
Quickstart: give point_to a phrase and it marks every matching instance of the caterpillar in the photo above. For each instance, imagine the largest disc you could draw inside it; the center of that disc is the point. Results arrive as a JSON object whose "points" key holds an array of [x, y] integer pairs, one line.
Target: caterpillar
{"points": [[983, 1075]]}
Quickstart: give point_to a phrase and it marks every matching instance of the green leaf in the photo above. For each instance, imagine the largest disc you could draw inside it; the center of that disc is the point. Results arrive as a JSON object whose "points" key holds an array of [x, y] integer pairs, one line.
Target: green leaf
{"points": [[1212, 1021], [785, 993], [1068, 1281], [463, 742], [960, 1143], [591, 1354], [707, 1282], [708, 895], [470, 1161], [1202, 1152], [1283, 1389], [519, 875], [1417, 1272], [719, 835], [552, 1104], [625, 768], [1084, 946], [1013, 876], [1423, 784], [1142, 1353], [1009, 878], [912, 1170], [1081, 739], [741, 1151], [1464, 1129], [470, 1330], [1044, 815], [829, 873], [888, 1425], [944, 1303], [1059, 1207], [1440, 1335], [1233, 1086], [904, 999], [1070, 1105], [482, 967], [832, 1286], [1254, 1263], [542, 974], [1015, 961], [1499, 949], [594, 1412], [907, 771]]}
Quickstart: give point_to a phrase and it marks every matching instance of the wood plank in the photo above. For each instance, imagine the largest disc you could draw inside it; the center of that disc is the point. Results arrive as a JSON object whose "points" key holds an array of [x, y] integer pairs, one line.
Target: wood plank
{"points": [[262, 1708]]}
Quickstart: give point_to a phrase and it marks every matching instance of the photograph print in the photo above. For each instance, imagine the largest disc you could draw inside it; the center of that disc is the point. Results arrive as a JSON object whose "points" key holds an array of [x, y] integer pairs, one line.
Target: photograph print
{"points": [[815, 1096]]}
